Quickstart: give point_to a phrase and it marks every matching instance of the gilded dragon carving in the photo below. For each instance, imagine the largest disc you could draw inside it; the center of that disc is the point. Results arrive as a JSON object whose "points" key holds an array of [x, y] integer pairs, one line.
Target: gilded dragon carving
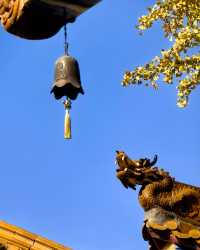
{"points": [[172, 209], [9, 12]]}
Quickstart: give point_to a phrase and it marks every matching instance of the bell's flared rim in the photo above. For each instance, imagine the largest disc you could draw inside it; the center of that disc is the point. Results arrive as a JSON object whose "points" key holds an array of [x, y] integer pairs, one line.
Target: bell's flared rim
{"points": [[62, 82]]}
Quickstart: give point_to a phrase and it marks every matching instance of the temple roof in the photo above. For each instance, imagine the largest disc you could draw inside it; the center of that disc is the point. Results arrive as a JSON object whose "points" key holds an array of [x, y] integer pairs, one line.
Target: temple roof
{"points": [[33, 19], [16, 238]]}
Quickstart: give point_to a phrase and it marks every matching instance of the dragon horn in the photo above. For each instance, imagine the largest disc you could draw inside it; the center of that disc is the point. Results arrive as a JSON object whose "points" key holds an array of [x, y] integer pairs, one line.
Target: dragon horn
{"points": [[154, 160]]}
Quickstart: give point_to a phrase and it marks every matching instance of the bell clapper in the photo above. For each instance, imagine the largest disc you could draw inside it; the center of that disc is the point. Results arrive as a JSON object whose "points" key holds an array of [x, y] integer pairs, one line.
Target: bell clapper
{"points": [[67, 125]]}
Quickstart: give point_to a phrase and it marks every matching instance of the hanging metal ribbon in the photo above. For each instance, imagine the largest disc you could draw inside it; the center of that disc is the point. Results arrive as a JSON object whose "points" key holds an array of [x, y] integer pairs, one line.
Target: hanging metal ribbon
{"points": [[67, 125]]}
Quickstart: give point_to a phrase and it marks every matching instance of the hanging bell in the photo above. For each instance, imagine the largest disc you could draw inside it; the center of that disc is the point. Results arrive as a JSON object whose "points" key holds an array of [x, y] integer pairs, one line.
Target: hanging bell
{"points": [[67, 78]]}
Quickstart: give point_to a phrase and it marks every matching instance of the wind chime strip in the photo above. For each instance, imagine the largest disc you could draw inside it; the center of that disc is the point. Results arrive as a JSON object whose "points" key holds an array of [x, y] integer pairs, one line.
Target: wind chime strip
{"points": [[67, 127]]}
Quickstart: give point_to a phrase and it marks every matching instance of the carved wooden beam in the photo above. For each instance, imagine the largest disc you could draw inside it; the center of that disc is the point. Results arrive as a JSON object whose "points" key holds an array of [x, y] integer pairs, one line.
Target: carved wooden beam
{"points": [[39, 19]]}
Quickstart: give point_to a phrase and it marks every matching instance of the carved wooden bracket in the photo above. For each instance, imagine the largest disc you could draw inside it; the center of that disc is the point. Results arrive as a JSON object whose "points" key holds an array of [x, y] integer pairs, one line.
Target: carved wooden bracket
{"points": [[39, 19]]}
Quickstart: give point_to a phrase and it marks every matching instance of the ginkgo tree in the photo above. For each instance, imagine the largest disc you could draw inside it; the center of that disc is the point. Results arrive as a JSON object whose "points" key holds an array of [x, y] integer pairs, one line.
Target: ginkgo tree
{"points": [[181, 62]]}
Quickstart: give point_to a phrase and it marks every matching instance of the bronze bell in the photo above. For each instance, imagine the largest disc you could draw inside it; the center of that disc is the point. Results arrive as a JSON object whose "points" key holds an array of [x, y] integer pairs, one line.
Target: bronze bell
{"points": [[67, 78]]}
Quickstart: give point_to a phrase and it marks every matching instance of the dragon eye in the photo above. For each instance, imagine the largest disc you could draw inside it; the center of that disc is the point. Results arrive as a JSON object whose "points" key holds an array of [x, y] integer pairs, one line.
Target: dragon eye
{"points": [[184, 209]]}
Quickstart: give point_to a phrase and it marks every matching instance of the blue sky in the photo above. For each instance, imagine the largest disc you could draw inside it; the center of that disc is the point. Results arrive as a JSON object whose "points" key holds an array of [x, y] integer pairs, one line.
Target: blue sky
{"points": [[67, 190]]}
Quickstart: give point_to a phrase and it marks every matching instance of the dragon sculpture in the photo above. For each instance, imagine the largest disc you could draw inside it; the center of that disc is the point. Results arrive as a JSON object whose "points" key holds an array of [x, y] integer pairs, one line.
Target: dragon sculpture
{"points": [[172, 209]]}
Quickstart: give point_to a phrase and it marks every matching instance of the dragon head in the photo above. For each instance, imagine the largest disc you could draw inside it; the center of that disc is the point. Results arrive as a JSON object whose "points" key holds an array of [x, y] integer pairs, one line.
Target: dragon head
{"points": [[136, 172]]}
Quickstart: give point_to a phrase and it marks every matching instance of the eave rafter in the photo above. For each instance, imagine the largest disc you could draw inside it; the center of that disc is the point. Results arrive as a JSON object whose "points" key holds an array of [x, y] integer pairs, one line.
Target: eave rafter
{"points": [[40, 19]]}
